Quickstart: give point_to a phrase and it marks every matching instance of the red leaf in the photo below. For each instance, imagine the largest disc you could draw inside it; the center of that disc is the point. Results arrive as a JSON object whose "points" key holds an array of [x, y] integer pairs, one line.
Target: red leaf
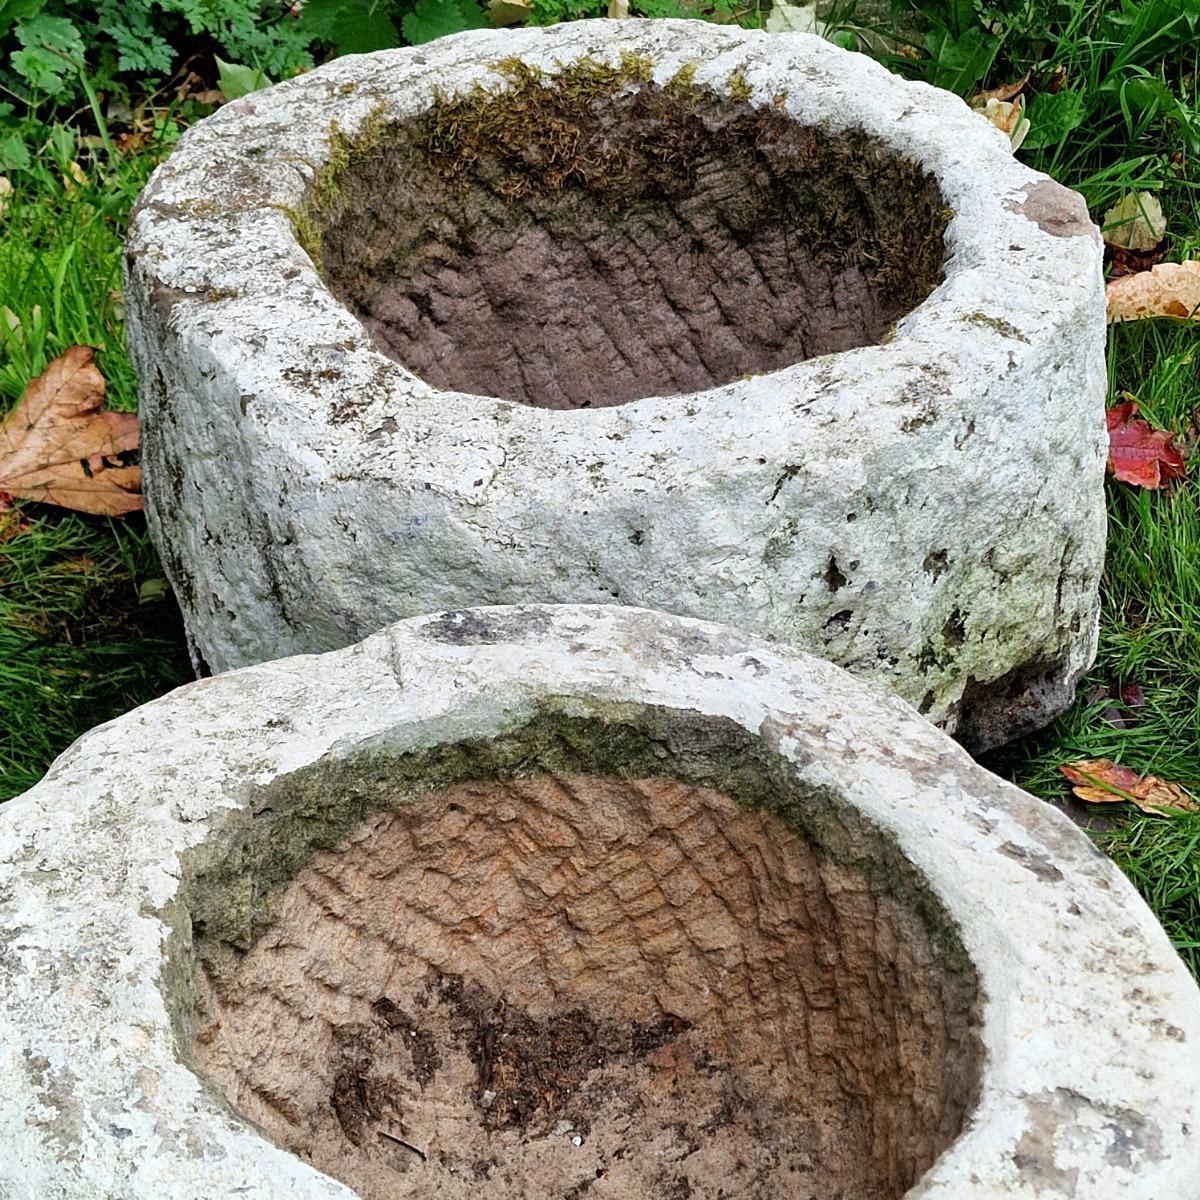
{"points": [[1138, 454]]}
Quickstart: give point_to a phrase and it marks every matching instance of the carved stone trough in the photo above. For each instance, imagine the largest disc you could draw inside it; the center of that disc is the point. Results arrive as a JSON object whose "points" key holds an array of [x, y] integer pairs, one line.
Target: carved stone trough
{"points": [[549, 902], [728, 324]]}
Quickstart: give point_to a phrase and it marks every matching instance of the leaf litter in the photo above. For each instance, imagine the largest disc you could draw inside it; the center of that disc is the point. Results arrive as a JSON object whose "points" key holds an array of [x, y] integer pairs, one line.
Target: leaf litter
{"points": [[60, 446], [1102, 781], [1138, 454]]}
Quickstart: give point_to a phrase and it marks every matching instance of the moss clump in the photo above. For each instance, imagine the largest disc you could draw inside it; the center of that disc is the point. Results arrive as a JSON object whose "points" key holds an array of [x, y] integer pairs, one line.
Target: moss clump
{"points": [[505, 218], [346, 151], [683, 82], [739, 87]]}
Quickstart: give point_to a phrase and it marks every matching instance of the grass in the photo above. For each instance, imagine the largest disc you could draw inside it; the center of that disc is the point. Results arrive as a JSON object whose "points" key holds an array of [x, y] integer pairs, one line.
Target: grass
{"points": [[1138, 128], [87, 628], [86, 632]]}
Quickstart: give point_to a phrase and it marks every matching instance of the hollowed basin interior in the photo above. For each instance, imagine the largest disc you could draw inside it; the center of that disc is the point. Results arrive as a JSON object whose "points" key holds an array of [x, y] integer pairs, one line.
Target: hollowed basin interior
{"points": [[593, 238], [686, 978]]}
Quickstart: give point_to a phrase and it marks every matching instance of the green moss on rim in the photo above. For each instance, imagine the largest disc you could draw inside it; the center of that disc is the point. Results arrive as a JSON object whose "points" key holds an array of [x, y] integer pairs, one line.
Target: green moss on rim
{"points": [[845, 193]]}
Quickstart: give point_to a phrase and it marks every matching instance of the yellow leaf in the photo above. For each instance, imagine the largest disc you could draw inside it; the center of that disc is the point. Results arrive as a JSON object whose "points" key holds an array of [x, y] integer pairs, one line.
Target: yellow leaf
{"points": [[74, 176], [508, 12], [1009, 117], [1136, 223]]}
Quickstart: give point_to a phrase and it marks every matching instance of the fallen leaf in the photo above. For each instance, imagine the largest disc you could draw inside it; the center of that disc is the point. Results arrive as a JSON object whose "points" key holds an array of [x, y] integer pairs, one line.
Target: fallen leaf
{"points": [[1167, 290], [1118, 715], [5, 192], [1054, 82], [1009, 117], [508, 12], [153, 590], [1130, 262], [1138, 454], [1132, 696], [236, 80], [79, 564], [74, 176], [1006, 92], [11, 326], [131, 141], [1136, 222], [58, 446], [1101, 781]]}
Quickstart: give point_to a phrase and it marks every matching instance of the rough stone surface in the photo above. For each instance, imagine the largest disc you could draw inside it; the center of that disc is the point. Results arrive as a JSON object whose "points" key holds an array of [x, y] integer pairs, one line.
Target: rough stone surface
{"points": [[704, 998], [163, 856], [925, 510]]}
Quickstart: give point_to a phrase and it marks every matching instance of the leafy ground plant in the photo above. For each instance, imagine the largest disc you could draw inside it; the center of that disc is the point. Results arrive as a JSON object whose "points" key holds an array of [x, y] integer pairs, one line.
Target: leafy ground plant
{"points": [[1108, 89]]}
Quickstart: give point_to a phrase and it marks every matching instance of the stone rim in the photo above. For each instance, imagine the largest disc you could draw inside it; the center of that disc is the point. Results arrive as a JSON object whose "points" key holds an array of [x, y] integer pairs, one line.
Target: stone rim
{"points": [[90, 862], [283, 378], [200, 188]]}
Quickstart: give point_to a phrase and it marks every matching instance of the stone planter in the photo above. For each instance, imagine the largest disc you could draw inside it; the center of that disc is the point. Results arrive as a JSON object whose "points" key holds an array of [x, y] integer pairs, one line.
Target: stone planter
{"points": [[727, 324], [547, 901]]}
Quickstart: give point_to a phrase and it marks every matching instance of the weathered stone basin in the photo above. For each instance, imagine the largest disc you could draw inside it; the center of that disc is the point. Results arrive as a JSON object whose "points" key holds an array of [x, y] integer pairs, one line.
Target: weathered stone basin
{"points": [[562, 901], [727, 324]]}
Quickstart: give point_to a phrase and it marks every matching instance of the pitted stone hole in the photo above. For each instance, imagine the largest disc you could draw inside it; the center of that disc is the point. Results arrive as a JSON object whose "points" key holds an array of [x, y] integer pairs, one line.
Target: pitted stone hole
{"points": [[571, 985], [593, 238]]}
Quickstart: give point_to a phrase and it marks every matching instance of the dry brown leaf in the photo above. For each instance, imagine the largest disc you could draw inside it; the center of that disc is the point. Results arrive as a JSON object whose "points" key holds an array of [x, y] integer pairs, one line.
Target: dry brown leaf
{"points": [[1008, 91], [1055, 81], [132, 141], [1136, 222], [1101, 781], [1167, 290], [1130, 262], [58, 447]]}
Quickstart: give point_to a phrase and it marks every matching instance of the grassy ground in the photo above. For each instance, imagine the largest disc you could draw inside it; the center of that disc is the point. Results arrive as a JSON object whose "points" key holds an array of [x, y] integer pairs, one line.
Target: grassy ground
{"points": [[87, 632], [87, 628]]}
